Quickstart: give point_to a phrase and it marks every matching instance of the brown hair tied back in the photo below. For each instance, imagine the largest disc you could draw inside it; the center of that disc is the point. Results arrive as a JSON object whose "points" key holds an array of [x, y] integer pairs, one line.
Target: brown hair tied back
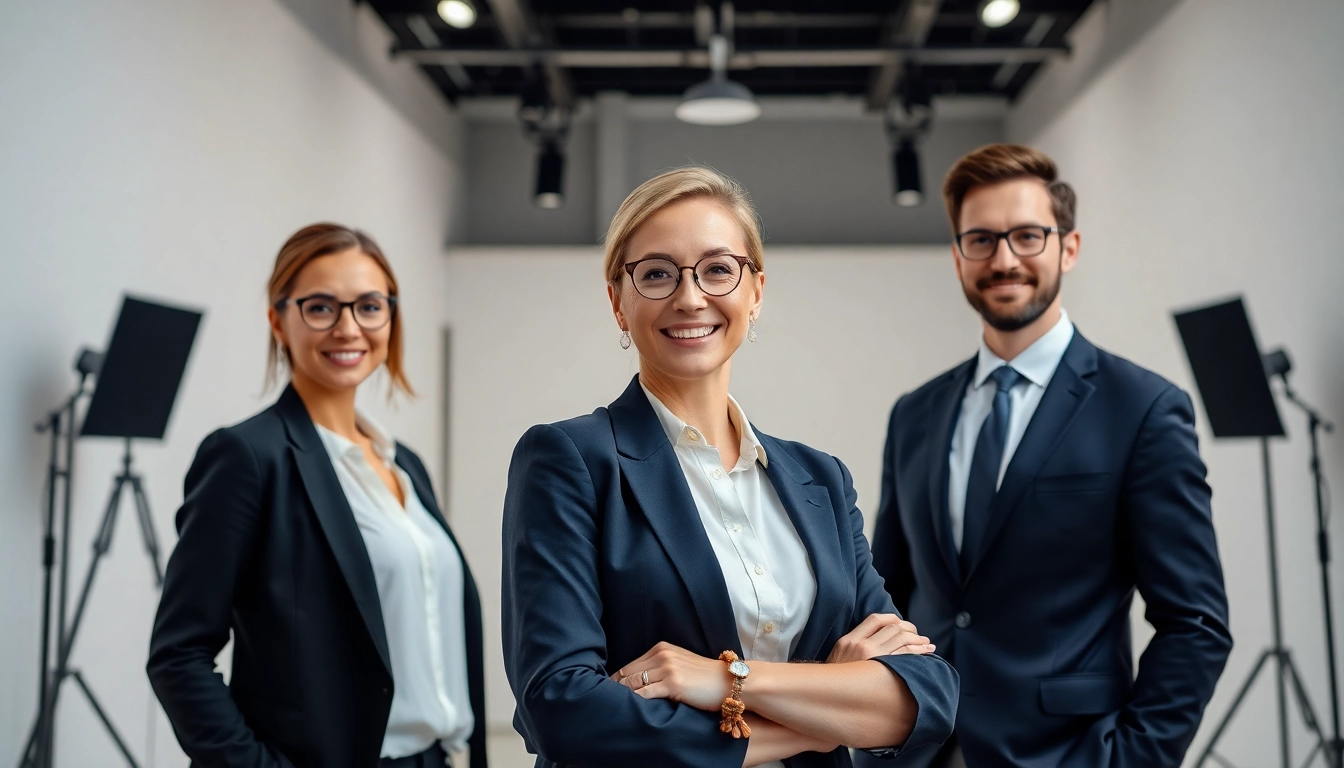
{"points": [[324, 239]]}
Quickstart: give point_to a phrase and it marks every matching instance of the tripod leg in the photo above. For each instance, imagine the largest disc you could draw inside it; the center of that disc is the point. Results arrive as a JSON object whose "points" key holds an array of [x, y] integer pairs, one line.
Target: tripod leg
{"points": [[1232, 710], [31, 757], [98, 710], [1308, 712], [66, 642], [147, 534], [100, 546]]}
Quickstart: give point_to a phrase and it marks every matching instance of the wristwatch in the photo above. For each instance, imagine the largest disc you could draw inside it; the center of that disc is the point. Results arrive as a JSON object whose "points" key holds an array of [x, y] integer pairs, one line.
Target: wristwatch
{"points": [[739, 670]]}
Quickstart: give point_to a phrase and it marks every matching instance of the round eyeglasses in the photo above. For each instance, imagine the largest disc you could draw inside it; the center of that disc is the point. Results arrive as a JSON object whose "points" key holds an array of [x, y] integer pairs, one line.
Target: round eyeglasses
{"points": [[981, 244], [658, 277], [321, 312]]}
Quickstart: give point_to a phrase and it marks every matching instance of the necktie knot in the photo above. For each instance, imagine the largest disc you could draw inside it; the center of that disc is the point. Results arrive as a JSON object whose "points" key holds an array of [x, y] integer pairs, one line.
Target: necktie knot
{"points": [[1005, 377]]}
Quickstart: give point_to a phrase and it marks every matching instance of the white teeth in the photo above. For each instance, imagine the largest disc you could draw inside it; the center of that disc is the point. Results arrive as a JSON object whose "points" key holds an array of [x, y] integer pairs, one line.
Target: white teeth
{"points": [[690, 333], [345, 357]]}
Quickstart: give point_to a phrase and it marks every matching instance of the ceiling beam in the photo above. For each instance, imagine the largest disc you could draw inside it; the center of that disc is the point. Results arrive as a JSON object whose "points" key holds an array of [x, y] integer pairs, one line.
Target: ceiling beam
{"points": [[521, 32], [909, 28], [1039, 29], [750, 59], [743, 19]]}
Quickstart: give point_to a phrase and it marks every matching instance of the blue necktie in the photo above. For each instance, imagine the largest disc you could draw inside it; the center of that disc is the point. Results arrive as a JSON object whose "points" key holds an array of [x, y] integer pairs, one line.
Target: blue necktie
{"points": [[985, 462]]}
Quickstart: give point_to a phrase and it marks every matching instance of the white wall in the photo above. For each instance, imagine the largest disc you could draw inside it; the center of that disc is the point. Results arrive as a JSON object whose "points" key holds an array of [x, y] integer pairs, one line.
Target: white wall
{"points": [[843, 332], [168, 148], [1208, 163]]}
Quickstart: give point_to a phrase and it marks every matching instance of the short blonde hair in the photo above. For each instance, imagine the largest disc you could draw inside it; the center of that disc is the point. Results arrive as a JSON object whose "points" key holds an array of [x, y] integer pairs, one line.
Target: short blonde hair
{"points": [[671, 187]]}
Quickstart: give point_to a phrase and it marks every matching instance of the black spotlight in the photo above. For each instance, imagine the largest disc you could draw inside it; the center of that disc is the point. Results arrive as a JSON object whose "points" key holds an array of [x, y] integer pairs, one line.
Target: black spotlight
{"points": [[550, 192], [908, 191]]}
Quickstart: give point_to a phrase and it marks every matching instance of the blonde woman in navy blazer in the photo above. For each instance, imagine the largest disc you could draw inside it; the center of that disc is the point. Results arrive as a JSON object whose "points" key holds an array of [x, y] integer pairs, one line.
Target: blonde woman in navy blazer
{"points": [[643, 541]]}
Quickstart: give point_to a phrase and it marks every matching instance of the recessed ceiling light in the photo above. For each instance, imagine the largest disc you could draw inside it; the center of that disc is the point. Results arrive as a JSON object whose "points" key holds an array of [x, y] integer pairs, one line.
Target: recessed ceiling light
{"points": [[996, 13], [458, 13]]}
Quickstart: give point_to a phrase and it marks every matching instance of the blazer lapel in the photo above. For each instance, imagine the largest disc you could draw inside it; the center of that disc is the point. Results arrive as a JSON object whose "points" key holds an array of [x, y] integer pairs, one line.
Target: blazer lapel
{"points": [[945, 414], [809, 507], [1064, 398], [334, 516], [423, 491], [655, 478], [471, 606]]}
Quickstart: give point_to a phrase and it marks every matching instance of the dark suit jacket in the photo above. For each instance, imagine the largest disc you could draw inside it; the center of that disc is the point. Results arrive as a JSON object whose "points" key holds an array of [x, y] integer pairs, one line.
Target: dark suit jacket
{"points": [[605, 555], [1105, 494], [269, 549]]}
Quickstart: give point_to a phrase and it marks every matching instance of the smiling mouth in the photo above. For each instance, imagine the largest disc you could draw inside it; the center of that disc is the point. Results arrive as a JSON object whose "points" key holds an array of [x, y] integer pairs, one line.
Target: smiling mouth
{"points": [[690, 333], [344, 358], [988, 285]]}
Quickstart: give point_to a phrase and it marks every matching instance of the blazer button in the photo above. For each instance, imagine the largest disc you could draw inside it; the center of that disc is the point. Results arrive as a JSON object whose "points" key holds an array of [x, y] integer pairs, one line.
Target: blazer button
{"points": [[962, 620]]}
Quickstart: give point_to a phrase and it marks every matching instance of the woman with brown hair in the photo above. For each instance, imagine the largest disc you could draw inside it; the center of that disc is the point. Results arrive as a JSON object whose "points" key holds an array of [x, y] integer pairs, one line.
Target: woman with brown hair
{"points": [[664, 560], [314, 538]]}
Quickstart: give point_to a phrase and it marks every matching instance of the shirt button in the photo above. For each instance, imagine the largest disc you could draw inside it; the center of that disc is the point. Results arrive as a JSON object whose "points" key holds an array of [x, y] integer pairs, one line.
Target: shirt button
{"points": [[737, 528], [760, 570], [962, 620], [692, 435], [718, 473], [769, 627]]}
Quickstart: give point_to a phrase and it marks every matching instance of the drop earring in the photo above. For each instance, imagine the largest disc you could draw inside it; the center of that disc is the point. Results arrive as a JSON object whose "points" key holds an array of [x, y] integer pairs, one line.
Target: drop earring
{"points": [[751, 329], [625, 339]]}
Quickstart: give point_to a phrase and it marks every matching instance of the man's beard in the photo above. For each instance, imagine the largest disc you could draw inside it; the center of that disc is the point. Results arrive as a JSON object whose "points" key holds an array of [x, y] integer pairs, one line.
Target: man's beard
{"points": [[1012, 319]]}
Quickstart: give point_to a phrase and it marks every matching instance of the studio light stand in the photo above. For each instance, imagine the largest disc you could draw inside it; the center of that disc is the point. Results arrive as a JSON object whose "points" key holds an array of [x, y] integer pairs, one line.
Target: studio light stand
{"points": [[1278, 364], [57, 478], [1234, 383], [138, 380]]}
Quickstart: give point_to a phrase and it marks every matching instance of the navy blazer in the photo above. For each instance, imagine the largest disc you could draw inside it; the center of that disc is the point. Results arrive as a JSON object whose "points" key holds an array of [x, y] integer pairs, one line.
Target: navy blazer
{"points": [[268, 548], [1105, 494], [605, 555]]}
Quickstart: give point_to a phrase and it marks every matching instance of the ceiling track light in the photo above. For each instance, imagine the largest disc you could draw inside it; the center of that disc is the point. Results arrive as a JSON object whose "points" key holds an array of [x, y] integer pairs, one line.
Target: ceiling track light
{"points": [[549, 193], [907, 188], [547, 124], [718, 100], [457, 13], [997, 13], [907, 119]]}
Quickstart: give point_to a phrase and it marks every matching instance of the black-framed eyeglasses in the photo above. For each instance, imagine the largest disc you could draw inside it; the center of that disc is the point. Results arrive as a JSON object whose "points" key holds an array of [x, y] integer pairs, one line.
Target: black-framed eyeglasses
{"points": [[658, 277], [321, 312], [981, 244]]}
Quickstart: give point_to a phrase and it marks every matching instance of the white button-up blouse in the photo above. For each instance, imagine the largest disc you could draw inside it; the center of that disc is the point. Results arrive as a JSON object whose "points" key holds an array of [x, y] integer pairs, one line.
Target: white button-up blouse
{"points": [[418, 573]]}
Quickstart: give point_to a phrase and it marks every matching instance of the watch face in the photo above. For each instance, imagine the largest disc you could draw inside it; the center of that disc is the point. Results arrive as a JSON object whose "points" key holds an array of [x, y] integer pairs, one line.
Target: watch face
{"points": [[739, 668]]}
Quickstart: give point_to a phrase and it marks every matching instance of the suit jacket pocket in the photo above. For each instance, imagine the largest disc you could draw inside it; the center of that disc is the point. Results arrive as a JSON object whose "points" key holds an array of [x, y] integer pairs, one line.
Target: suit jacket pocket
{"points": [[1086, 694], [1087, 482]]}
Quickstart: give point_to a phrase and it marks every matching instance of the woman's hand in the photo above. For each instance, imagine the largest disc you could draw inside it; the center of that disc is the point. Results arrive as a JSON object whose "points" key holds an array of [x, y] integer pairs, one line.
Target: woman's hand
{"points": [[881, 634], [677, 674]]}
